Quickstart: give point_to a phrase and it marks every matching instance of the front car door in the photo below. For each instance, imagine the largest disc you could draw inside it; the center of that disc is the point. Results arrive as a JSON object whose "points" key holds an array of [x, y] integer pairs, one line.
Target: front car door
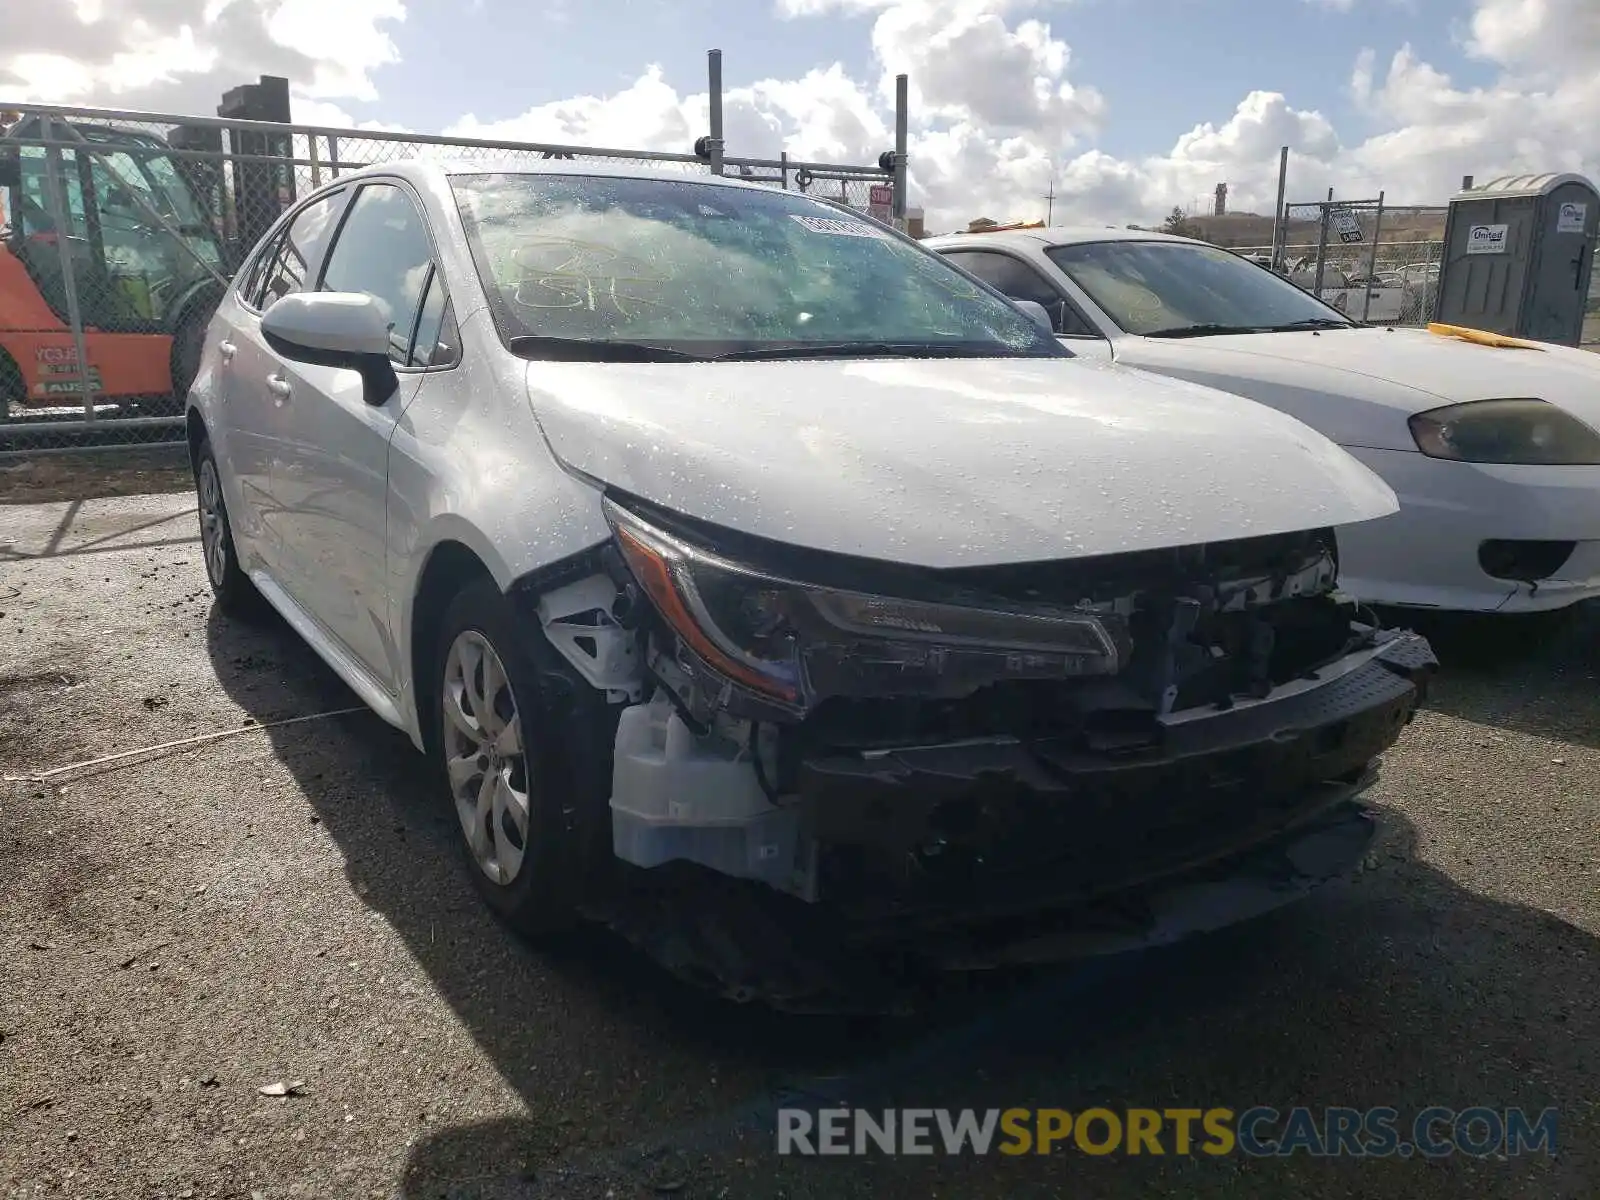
{"points": [[256, 413], [1022, 281], [333, 485]]}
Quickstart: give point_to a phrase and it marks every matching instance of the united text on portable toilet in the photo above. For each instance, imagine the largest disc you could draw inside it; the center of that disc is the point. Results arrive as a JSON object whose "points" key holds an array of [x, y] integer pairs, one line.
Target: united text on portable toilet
{"points": [[1517, 256]]}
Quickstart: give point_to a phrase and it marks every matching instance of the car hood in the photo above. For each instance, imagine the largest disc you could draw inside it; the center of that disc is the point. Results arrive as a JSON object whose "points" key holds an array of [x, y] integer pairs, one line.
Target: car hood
{"points": [[1380, 376], [949, 462]]}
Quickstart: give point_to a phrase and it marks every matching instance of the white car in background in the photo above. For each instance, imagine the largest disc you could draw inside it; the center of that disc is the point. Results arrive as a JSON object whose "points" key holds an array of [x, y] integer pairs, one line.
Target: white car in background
{"points": [[1493, 449]]}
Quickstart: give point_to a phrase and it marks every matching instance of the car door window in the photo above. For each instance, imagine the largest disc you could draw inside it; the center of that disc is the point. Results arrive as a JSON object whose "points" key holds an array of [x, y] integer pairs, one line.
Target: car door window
{"points": [[1021, 282], [299, 250], [434, 344], [383, 250], [254, 276]]}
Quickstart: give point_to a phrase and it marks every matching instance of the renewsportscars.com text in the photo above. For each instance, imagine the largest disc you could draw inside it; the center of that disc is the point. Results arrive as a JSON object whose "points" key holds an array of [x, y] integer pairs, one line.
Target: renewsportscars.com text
{"points": [[1260, 1131]]}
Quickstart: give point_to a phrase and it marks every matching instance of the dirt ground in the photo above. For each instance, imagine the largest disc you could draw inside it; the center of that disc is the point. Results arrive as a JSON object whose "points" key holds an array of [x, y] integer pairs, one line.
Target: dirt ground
{"points": [[93, 476], [286, 904]]}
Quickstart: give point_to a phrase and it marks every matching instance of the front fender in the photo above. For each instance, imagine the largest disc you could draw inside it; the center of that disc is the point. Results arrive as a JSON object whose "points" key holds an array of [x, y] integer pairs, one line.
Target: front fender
{"points": [[468, 466]]}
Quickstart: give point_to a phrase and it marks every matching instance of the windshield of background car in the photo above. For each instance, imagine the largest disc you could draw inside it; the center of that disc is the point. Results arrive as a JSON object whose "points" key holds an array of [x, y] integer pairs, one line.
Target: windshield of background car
{"points": [[706, 269], [1148, 287]]}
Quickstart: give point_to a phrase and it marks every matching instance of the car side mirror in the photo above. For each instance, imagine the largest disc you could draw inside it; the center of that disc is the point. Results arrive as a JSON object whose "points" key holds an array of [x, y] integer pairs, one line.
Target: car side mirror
{"points": [[335, 329], [1039, 313]]}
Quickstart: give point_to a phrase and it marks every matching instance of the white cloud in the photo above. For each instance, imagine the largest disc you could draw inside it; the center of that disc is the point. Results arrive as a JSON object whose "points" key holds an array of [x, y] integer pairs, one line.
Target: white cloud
{"points": [[355, 27], [181, 55], [648, 114], [1542, 37], [818, 8], [999, 103], [966, 62]]}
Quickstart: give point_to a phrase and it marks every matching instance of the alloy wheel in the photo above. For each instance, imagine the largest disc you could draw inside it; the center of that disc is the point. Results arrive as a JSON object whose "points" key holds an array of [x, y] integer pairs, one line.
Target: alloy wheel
{"points": [[213, 524], [484, 756]]}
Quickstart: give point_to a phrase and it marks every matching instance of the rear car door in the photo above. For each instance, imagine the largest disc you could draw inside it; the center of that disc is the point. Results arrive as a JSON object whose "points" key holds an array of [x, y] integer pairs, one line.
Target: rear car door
{"points": [[233, 432], [334, 485], [1023, 281], [259, 421]]}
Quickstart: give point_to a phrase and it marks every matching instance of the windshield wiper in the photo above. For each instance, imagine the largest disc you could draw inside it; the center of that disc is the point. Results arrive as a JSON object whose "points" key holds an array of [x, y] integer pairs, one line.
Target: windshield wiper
{"points": [[1183, 331], [547, 347], [1210, 330], [1311, 323], [861, 350]]}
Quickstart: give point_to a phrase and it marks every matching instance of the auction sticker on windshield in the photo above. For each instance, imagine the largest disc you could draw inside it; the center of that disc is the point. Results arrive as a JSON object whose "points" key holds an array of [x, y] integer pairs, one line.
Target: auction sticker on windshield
{"points": [[1486, 239], [832, 225]]}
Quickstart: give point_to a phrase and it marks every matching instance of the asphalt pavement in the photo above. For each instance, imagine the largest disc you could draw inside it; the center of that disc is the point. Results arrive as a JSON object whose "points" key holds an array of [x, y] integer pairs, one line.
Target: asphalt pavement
{"points": [[285, 903]]}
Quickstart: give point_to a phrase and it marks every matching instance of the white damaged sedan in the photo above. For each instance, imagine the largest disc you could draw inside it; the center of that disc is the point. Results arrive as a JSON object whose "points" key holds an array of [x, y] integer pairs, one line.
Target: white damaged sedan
{"points": [[765, 589], [1493, 449]]}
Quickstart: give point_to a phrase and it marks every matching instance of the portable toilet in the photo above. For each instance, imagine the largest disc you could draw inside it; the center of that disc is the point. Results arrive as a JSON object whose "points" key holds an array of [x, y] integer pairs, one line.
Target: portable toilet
{"points": [[1518, 252]]}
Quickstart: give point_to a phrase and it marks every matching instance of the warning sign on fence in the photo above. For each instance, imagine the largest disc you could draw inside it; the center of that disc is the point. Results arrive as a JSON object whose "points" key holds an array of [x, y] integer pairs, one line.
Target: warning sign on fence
{"points": [[1344, 223], [880, 201]]}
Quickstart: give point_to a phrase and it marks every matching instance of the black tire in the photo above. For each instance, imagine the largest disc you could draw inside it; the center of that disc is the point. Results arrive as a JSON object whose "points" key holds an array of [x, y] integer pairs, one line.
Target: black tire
{"points": [[188, 343], [564, 769], [231, 587]]}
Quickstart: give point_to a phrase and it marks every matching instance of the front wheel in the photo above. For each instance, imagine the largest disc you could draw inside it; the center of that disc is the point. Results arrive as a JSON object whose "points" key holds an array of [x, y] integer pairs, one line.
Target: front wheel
{"points": [[515, 774]]}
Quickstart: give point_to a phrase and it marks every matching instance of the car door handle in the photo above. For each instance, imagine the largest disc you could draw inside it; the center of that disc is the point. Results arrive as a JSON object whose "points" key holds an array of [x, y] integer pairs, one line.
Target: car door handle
{"points": [[227, 350], [279, 387]]}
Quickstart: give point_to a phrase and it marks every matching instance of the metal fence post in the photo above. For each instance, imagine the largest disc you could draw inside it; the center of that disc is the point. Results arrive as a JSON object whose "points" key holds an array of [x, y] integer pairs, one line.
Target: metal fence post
{"points": [[1280, 215], [61, 217], [902, 93], [1372, 259], [714, 69], [1322, 243]]}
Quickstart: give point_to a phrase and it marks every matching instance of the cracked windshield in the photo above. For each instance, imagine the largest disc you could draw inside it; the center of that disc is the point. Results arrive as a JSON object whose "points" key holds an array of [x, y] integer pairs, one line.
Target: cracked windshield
{"points": [[695, 266]]}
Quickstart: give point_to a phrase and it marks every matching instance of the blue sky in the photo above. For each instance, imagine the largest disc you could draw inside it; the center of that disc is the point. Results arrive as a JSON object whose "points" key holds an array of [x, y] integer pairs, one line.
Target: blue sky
{"points": [[1162, 65]]}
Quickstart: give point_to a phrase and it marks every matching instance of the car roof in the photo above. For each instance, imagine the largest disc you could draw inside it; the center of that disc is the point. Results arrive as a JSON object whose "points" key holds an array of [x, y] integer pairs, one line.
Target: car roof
{"points": [[428, 171], [1055, 235]]}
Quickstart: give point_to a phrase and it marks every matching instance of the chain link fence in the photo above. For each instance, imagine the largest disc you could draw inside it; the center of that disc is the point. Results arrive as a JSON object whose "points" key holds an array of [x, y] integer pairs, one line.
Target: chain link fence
{"points": [[1366, 260], [119, 232], [1376, 263]]}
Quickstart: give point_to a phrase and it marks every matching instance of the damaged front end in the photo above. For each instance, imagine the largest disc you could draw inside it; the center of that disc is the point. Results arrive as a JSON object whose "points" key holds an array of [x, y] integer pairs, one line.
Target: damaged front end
{"points": [[972, 767]]}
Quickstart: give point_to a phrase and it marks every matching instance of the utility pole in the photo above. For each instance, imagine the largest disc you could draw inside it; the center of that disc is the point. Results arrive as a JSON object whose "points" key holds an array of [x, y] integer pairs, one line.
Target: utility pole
{"points": [[1050, 200]]}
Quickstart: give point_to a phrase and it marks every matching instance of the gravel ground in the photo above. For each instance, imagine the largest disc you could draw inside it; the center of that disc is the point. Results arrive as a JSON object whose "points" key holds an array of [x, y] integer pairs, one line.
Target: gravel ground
{"points": [[286, 904]]}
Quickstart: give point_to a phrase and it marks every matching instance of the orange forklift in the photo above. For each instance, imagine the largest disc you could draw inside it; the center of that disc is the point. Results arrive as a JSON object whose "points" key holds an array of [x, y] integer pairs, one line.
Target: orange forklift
{"points": [[150, 252], [147, 270]]}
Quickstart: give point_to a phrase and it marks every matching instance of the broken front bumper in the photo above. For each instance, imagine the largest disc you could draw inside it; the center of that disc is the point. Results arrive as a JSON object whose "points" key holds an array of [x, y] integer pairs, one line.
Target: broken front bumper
{"points": [[917, 837], [1002, 852]]}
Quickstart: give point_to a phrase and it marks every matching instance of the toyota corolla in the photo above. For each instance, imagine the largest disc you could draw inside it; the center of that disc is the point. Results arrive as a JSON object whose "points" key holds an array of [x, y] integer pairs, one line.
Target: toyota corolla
{"points": [[764, 587]]}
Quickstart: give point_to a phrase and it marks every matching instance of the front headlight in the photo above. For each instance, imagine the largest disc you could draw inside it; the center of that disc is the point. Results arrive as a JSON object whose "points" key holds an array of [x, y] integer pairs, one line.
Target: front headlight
{"points": [[1506, 432], [794, 642]]}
